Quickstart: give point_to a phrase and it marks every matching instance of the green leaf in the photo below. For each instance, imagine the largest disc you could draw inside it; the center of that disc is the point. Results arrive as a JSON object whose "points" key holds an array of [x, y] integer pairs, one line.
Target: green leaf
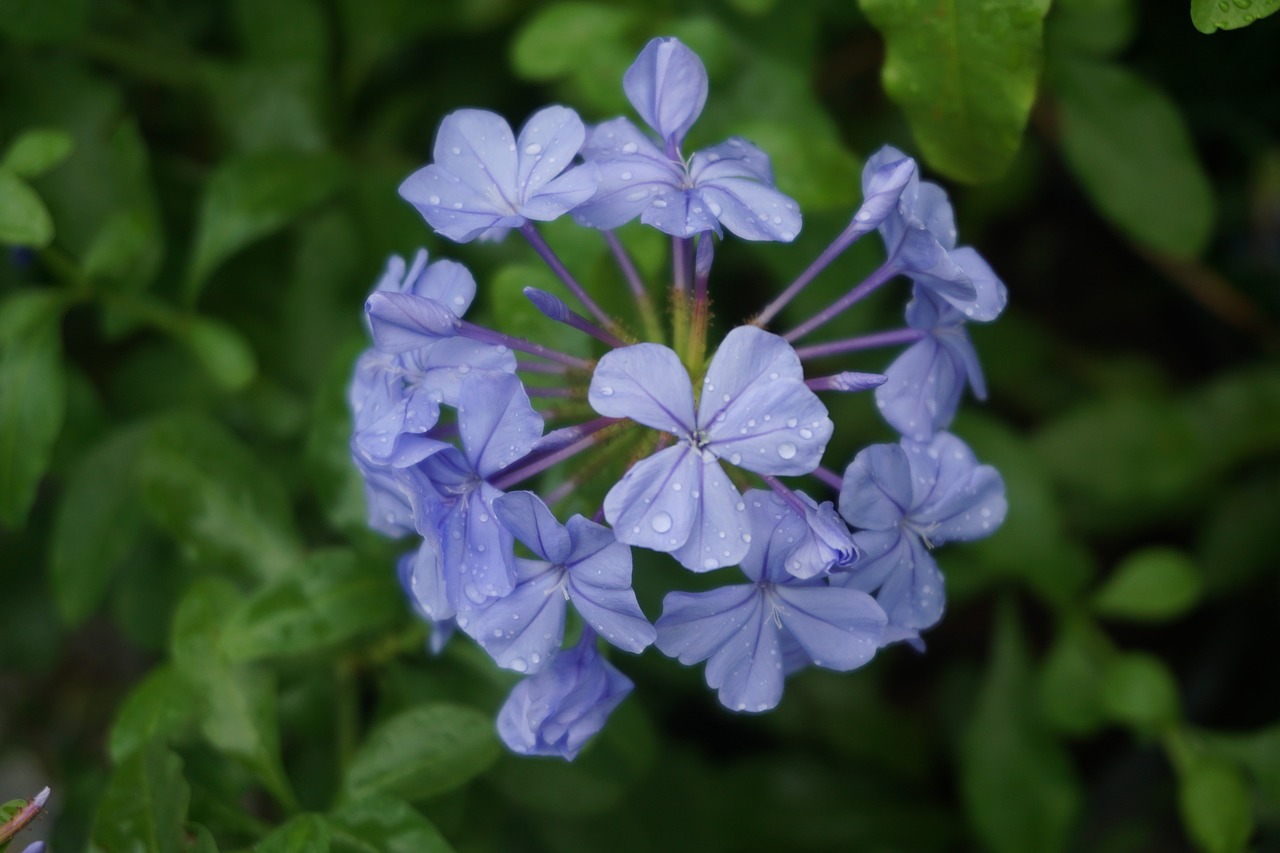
{"points": [[1139, 691], [1071, 679], [204, 487], [1017, 782], [423, 751], [965, 74], [1258, 752], [145, 804], [250, 197], [583, 42], [1212, 15], [306, 833], [238, 704], [332, 597], [1150, 585], [33, 396], [221, 350], [24, 220], [96, 525], [1093, 27], [161, 705], [43, 20], [384, 825], [37, 151], [1213, 797], [1129, 146]]}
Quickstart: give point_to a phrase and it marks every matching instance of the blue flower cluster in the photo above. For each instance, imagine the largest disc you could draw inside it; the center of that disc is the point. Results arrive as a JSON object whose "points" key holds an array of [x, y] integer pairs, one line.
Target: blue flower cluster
{"points": [[446, 427]]}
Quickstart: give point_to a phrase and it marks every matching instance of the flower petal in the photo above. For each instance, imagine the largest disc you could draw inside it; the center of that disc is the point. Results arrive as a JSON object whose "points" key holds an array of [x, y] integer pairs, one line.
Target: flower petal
{"points": [[720, 532], [694, 625], [530, 521], [667, 84], [923, 389], [747, 670], [600, 588], [876, 492], [839, 628], [447, 282], [402, 322], [646, 383], [563, 194], [448, 363], [477, 148], [496, 421], [548, 142], [645, 510], [773, 427], [523, 629]]}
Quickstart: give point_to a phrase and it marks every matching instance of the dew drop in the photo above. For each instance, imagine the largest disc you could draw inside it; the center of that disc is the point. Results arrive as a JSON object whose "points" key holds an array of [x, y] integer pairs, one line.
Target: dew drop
{"points": [[626, 176], [661, 522], [630, 148], [606, 391], [456, 150], [435, 199], [709, 563], [519, 665], [533, 148], [786, 450]]}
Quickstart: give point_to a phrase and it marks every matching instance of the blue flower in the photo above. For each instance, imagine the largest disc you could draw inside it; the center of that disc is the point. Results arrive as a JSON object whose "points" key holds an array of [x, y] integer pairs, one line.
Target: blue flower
{"points": [[752, 635], [729, 184], [580, 562], [755, 411], [556, 711], [923, 385], [483, 178], [904, 499], [920, 236], [467, 556]]}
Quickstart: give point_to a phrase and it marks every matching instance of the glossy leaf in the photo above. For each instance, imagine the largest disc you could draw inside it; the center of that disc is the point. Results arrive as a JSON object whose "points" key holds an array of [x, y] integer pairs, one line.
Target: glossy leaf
{"points": [[1150, 585], [384, 825], [306, 833], [332, 597], [221, 350], [423, 751], [204, 487], [145, 804], [1018, 786], [1212, 15], [32, 396], [97, 523], [237, 704], [965, 74], [37, 151], [251, 197], [24, 219], [1139, 691], [1216, 805], [1130, 147], [159, 706]]}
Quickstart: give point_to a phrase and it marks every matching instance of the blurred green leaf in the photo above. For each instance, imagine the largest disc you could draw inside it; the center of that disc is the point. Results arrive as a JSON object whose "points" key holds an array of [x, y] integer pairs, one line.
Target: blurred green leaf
{"points": [[307, 833], [37, 151], [204, 487], [125, 249], [332, 597], [268, 107], [24, 220], [423, 751], [1215, 802], [238, 704], [1092, 27], [1128, 144], [1070, 687], [221, 350], [283, 30], [43, 20], [145, 804], [1150, 585], [384, 825], [1139, 691], [203, 841], [965, 74], [159, 706], [32, 395], [1240, 538], [1212, 15], [1017, 783], [584, 42], [1258, 752], [96, 525], [250, 197], [1125, 460]]}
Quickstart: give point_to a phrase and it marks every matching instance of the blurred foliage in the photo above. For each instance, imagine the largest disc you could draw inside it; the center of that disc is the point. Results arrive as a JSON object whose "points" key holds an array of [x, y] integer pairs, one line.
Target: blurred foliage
{"points": [[203, 647]]}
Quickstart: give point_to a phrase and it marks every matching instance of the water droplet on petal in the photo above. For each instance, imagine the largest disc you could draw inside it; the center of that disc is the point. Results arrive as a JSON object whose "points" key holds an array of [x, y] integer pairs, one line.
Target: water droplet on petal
{"points": [[533, 148], [519, 665], [435, 199], [661, 522], [786, 450], [606, 391], [630, 148]]}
